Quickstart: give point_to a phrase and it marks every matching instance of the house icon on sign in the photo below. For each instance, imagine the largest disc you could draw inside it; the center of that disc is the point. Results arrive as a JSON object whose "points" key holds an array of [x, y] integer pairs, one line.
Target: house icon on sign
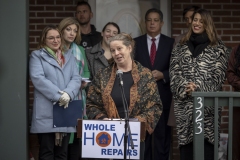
{"points": [[103, 139]]}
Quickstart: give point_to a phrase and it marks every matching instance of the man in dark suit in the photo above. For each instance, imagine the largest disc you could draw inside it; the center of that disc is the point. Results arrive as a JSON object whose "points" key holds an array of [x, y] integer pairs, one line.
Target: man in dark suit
{"points": [[153, 50]]}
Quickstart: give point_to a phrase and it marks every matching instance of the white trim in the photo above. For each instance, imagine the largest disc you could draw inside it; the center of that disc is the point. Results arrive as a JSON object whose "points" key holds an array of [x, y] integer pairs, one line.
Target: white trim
{"points": [[92, 3], [165, 7]]}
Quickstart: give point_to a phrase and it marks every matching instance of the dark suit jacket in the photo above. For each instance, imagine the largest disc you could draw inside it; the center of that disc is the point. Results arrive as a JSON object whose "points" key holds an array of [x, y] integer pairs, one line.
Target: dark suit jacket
{"points": [[161, 63]]}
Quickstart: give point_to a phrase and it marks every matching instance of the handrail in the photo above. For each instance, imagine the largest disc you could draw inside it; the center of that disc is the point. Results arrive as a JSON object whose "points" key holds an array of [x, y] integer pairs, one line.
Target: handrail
{"points": [[216, 99]]}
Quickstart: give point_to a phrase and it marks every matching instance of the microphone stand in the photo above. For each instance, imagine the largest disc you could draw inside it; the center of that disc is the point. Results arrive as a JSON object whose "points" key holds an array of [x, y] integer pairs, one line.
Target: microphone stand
{"points": [[127, 126]]}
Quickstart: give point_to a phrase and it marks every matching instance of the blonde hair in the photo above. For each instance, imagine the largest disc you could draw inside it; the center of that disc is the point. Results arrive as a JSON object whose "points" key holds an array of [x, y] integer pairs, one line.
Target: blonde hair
{"points": [[126, 39], [65, 23], [208, 25], [42, 42]]}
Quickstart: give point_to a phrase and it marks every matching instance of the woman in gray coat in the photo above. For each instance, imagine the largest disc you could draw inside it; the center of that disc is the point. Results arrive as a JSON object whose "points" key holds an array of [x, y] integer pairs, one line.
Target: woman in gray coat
{"points": [[55, 77], [99, 56]]}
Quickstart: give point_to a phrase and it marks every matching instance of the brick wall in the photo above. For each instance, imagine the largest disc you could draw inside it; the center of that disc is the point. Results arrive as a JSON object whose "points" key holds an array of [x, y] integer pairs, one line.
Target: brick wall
{"points": [[43, 12], [226, 16]]}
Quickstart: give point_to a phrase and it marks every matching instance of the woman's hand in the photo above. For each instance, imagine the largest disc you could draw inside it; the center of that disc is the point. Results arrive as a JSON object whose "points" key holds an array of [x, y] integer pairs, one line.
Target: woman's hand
{"points": [[64, 99], [191, 87], [84, 84]]}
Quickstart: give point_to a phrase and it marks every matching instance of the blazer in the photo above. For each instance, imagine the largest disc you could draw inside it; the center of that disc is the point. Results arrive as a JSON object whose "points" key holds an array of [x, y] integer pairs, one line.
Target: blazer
{"points": [[161, 63], [48, 79]]}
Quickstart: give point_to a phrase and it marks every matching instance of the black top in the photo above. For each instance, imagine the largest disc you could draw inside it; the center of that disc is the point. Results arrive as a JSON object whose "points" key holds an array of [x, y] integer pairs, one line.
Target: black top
{"points": [[91, 39], [116, 92]]}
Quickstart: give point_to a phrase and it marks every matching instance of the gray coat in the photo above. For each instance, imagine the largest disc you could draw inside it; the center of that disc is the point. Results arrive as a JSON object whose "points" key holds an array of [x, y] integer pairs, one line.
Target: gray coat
{"points": [[96, 59], [48, 78]]}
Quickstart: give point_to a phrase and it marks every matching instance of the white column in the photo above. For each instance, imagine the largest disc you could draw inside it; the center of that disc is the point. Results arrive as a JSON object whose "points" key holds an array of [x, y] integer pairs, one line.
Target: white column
{"points": [[165, 7], [92, 3]]}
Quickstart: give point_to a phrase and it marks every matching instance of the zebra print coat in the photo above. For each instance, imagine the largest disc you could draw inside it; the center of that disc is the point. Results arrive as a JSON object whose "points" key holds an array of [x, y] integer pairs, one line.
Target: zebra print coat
{"points": [[207, 71]]}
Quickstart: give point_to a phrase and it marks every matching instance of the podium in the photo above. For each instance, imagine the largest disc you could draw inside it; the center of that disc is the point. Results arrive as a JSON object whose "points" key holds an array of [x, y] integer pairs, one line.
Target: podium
{"points": [[104, 139]]}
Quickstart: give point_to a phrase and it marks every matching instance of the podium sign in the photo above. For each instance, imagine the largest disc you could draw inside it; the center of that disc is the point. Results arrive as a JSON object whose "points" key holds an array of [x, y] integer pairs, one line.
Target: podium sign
{"points": [[105, 139]]}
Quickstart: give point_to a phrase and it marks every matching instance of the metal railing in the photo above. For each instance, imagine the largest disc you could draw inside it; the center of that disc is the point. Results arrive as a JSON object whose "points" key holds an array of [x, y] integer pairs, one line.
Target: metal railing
{"points": [[215, 99]]}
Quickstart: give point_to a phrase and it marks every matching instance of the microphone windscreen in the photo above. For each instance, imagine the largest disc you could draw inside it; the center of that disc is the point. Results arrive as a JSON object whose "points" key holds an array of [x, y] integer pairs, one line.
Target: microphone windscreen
{"points": [[119, 72]]}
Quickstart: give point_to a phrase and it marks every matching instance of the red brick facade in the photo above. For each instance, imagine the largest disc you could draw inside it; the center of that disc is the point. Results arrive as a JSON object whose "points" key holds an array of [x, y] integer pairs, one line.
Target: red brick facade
{"points": [[225, 13]]}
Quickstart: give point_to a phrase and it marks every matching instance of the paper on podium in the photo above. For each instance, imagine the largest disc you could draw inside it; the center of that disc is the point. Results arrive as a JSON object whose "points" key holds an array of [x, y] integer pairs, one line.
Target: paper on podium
{"points": [[67, 117], [117, 119], [86, 79]]}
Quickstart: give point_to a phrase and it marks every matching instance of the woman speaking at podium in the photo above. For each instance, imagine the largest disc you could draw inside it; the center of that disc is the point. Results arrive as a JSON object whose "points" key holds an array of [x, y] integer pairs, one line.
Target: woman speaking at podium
{"points": [[104, 98]]}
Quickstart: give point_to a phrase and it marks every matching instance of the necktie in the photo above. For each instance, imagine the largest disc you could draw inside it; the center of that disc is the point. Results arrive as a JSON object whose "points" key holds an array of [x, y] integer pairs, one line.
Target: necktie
{"points": [[153, 51]]}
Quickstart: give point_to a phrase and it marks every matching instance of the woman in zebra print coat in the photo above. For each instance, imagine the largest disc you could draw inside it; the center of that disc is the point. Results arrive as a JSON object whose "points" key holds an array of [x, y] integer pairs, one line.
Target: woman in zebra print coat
{"points": [[199, 63]]}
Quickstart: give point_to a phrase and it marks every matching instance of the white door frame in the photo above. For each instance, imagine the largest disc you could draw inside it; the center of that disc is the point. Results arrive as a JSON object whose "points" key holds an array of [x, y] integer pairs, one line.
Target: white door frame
{"points": [[165, 7]]}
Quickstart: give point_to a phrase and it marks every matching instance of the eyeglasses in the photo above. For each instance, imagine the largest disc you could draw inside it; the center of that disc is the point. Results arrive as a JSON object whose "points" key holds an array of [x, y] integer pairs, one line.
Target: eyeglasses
{"points": [[53, 38]]}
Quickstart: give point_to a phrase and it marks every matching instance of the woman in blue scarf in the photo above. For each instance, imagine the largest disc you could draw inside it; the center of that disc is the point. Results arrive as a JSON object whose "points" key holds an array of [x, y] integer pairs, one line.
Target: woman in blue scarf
{"points": [[71, 36]]}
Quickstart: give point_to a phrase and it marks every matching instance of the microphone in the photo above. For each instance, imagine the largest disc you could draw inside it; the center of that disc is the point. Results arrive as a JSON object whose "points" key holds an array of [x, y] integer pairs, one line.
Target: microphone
{"points": [[119, 73]]}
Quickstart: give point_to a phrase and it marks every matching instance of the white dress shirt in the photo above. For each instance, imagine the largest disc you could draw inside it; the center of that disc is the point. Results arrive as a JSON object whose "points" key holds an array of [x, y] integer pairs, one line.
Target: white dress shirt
{"points": [[149, 42]]}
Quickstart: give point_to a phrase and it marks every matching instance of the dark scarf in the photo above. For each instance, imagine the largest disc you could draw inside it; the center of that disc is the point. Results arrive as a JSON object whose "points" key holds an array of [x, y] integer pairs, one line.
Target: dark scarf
{"points": [[197, 43]]}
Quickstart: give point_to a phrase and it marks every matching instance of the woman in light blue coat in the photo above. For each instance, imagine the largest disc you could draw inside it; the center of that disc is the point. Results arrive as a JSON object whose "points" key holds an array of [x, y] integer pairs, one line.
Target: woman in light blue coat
{"points": [[55, 77]]}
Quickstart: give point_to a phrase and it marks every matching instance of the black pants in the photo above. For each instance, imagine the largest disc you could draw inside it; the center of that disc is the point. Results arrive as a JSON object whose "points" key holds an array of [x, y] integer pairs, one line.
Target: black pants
{"points": [[186, 151], [236, 131], [48, 150], [157, 145], [74, 149]]}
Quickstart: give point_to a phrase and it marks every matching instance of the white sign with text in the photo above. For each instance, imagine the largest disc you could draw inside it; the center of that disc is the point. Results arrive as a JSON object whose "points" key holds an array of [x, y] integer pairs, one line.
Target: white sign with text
{"points": [[105, 139]]}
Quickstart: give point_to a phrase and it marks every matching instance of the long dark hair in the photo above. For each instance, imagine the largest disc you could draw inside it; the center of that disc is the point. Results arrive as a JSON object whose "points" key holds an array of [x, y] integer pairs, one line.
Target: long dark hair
{"points": [[208, 25]]}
